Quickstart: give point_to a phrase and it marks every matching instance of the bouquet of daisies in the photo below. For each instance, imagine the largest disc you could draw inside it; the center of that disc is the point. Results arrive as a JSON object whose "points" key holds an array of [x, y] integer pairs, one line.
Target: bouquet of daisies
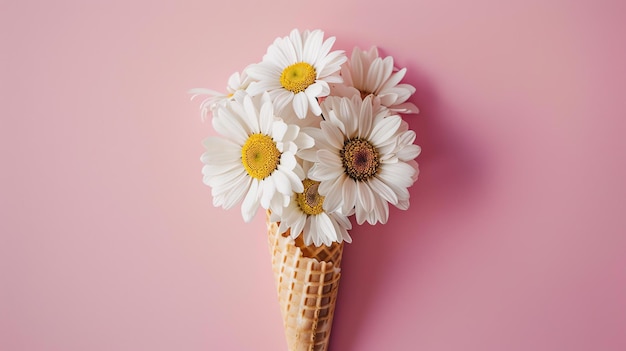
{"points": [[314, 138]]}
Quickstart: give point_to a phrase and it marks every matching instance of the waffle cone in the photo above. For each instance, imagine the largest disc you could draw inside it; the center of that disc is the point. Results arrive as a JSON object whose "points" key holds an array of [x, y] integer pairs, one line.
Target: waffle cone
{"points": [[307, 280]]}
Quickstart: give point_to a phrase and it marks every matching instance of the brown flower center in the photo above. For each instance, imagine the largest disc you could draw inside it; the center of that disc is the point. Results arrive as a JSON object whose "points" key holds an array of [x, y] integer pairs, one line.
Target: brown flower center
{"points": [[360, 159]]}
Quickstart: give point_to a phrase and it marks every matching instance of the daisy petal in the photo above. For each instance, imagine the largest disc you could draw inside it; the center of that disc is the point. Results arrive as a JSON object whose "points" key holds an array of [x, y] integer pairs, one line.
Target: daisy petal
{"points": [[251, 202], [300, 104]]}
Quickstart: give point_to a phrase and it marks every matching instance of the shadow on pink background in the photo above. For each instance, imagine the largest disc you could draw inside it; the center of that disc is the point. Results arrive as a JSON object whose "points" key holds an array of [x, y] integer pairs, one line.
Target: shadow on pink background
{"points": [[515, 239]]}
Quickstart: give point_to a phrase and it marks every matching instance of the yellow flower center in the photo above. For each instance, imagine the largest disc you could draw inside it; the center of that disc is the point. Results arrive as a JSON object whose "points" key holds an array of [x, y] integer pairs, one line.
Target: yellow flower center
{"points": [[298, 77], [310, 201], [259, 156], [360, 159]]}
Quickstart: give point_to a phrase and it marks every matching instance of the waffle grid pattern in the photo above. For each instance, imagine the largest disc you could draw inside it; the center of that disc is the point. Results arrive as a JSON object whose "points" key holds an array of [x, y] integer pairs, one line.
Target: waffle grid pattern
{"points": [[307, 280]]}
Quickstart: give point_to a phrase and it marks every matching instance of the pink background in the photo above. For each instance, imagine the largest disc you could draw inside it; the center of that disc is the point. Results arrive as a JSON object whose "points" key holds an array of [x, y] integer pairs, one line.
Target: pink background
{"points": [[515, 239]]}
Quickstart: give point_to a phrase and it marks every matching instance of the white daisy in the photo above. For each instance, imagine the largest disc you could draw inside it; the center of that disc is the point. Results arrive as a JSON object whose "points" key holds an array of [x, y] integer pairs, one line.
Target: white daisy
{"points": [[305, 215], [363, 160], [366, 73], [237, 84], [296, 70], [255, 161]]}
